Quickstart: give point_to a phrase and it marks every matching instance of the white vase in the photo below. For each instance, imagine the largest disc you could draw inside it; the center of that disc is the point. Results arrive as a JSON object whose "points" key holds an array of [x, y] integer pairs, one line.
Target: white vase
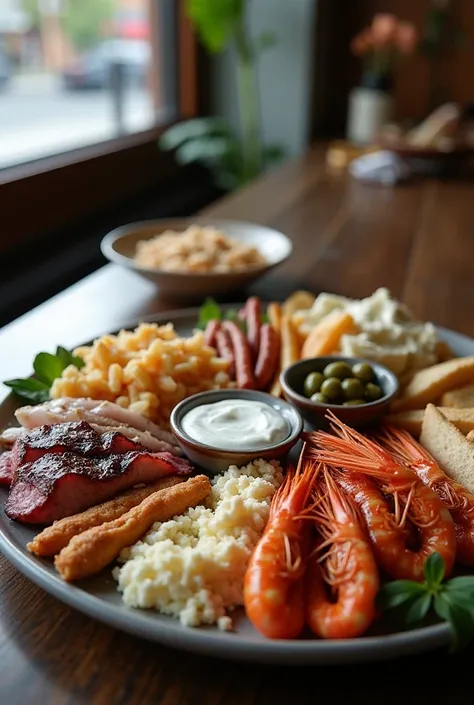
{"points": [[369, 110]]}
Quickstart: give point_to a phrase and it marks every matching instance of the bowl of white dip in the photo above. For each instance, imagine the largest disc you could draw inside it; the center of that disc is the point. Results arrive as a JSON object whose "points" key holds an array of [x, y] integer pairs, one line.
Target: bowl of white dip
{"points": [[226, 427]]}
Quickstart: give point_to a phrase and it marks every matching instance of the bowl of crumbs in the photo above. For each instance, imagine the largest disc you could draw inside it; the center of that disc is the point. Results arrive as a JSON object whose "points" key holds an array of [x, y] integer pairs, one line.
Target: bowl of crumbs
{"points": [[195, 257]]}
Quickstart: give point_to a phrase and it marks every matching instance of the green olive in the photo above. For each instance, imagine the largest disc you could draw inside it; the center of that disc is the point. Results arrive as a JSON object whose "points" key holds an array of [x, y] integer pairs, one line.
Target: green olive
{"points": [[312, 383], [354, 402], [352, 388], [319, 398], [340, 369], [373, 392], [331, 388], [363, 371]]}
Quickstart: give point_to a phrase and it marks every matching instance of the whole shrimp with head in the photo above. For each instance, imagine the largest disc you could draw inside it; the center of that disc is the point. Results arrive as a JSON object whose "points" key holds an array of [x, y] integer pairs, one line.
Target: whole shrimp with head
{"points": [[454, 496], [405, 519], [342, 577], [274, 580]]}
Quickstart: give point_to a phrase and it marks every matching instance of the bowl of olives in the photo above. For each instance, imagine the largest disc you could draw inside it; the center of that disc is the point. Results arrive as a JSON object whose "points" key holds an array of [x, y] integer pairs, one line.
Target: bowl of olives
{"points": [[357, 391]]}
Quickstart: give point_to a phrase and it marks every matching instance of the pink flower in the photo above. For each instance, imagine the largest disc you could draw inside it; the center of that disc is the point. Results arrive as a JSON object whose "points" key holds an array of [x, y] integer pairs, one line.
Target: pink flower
{"points": [[407, 38], [384, 29], [362, 43]]}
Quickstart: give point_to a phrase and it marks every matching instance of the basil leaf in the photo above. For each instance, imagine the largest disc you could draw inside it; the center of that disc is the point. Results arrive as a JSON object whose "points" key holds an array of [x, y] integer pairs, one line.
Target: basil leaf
{"points": [[398, 592], [464, 582], [209, 311], [30, 389], [434, 570], [265, 318], [418, 609], [47, 367], [67, 358], [460, 620]]}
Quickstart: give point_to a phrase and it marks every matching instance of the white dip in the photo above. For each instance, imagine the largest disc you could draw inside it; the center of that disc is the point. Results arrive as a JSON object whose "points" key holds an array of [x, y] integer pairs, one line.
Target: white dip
{"points": [[236, 424]]}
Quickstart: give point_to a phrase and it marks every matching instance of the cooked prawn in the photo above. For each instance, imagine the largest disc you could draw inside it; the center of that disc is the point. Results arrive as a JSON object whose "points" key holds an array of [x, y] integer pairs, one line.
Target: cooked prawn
{"points": [[343, 561], [457, 498], [274, 580], [415, 504]]}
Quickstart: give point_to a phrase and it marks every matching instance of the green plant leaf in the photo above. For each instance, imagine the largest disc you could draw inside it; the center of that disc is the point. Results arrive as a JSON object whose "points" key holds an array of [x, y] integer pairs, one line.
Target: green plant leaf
{"points": [[397, 592], [266, 40], [209, 311], [207, 150], [47, 367], [192, 129], [29, 389], [434, 570], [417, 609], [273, 154], [67, 358], [214, 20], [460, 620]]}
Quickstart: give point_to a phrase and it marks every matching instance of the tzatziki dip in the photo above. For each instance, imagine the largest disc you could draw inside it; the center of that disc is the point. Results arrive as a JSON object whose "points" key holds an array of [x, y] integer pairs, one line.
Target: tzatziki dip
{"points": [[236, 424]]}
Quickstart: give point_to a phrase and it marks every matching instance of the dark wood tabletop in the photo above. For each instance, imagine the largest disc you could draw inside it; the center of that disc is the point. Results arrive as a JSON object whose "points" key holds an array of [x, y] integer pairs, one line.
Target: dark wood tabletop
{"points": [[418, 241]]}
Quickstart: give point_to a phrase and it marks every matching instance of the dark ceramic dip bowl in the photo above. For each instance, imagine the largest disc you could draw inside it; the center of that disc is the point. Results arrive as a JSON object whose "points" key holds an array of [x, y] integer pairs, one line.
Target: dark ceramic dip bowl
{"points": [[217, 459], [292, 383]]}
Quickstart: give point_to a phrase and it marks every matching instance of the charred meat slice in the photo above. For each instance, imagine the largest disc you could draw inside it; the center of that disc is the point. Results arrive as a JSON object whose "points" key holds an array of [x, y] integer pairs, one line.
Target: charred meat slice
{"points": [[78, 437], [7, 468], [56, 486]]}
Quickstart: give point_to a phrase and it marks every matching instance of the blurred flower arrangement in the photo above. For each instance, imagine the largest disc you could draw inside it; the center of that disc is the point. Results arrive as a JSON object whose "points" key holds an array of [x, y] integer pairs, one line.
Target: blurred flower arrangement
{"points": [[382, 46]]}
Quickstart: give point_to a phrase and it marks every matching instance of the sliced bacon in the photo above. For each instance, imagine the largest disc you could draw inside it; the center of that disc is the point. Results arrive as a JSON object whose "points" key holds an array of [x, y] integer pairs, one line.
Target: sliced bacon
{"points": [[56, 486]]}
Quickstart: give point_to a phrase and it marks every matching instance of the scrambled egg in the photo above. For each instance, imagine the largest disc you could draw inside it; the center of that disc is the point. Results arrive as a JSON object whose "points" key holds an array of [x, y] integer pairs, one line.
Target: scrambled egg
{"points": [[387, 330], [193, 566]]}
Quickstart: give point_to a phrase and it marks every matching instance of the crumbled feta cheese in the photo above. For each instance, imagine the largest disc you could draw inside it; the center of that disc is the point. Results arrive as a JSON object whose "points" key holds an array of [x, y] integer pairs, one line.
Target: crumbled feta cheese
{"points": [[193, 566]]}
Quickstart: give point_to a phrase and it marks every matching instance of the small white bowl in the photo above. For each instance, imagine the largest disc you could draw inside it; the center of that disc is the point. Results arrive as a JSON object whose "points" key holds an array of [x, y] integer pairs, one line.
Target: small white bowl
{"points": [[119, 247]]}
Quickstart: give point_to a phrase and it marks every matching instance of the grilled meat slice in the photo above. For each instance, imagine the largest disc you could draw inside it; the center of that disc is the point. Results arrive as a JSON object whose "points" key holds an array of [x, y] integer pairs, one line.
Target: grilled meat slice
{"points": [[78, 437], [7, 468], [56, 486]]}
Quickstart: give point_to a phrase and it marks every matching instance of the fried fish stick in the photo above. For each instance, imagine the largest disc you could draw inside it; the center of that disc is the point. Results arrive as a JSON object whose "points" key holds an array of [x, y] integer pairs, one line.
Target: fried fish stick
{"points": [[89, 552], [55, 537]]}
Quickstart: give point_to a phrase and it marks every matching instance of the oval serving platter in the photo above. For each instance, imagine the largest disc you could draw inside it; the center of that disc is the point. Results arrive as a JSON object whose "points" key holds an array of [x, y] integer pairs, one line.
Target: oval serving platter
{"points": [[99, 598]]}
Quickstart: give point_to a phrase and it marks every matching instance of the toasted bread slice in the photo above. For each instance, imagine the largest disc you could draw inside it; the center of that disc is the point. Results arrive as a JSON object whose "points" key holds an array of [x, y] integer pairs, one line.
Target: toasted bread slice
{"points": [[451, 450], [412, 421], [429, 384], [461, 398]]}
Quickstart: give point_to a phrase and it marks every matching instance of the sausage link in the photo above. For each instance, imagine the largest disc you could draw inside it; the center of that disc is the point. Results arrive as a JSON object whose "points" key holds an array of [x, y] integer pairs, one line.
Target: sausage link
{"points": [[243, 357], [253, 313], [268, 356], [225, 350], [210, 332]]}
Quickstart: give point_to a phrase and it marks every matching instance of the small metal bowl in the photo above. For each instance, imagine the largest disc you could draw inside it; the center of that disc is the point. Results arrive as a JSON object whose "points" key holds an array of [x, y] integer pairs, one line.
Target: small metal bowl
{"points": [[216, 460], [292, 383]]}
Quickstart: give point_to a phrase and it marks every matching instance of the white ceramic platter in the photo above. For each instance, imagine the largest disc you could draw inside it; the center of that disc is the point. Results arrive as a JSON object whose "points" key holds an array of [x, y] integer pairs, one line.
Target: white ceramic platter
{"points": [[98, 597]]}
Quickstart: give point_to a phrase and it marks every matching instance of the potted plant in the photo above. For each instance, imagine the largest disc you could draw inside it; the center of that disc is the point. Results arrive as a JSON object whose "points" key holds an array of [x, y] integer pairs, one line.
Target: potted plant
{"points": [[234, 157], [382, 46]]}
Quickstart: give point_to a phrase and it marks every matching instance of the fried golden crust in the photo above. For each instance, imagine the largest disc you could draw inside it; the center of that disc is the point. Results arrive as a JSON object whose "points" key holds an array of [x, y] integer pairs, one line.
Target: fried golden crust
{"points": [[55, 537], [89, 552]]}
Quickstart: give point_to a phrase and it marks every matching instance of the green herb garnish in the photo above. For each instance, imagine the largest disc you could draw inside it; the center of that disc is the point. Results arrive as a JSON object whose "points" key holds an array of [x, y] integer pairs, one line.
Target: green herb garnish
{"points": [[211, 311], [408, 602], [47, 368]]}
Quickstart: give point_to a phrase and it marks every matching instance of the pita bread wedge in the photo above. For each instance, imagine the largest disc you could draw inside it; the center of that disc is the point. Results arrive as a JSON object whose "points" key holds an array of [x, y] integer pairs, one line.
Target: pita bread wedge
{"points": [[427, 385], [451, 450], [412, 421]]}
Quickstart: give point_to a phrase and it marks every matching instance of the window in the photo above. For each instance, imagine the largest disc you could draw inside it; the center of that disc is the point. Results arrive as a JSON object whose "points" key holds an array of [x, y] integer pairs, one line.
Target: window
{"points": [[68, 151], [75, 73]]}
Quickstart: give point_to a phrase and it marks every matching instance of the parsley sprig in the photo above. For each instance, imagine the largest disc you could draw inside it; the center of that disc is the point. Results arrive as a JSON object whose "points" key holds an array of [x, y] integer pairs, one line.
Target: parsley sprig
{"points": [[47, 368], [408, 602], [211, 311]]}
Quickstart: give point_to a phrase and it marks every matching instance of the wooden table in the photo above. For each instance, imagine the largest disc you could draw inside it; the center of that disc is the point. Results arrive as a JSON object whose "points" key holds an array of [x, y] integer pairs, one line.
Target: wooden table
{"points": [[418, 241]]}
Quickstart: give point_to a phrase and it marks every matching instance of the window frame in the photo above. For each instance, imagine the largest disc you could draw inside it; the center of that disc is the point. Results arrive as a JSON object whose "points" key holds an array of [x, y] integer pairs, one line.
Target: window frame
{"points": [[50, 192]]}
